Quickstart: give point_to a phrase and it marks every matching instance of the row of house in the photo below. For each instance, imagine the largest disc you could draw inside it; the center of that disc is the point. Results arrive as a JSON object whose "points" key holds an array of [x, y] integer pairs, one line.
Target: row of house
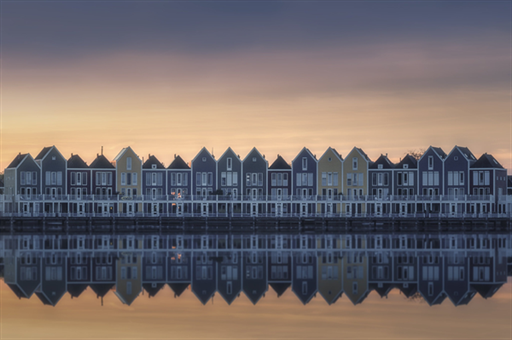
{"points": [[454, 266], [453, 183]]}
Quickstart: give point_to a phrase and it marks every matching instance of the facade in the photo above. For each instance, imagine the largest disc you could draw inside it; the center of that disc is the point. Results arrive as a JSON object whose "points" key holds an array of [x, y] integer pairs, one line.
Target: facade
{"points": [[79, 185], [230, 176], [129, 173], [355, 181], [304, 181], [154, 186], [204, 175], [330, 181], [405, 185], [430, 173], [255, 182], [488, 178], [53, 179], [103, 185], [179, 184], [456, 172], [380, 185], [23, 177], [279, 187]]}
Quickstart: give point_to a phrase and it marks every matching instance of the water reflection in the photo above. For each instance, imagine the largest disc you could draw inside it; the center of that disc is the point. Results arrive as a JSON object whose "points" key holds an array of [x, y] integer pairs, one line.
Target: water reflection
{"points": [[433, 267]]}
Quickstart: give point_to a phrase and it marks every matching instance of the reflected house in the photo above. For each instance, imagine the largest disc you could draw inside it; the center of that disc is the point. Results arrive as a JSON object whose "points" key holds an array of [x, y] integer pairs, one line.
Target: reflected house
{"points": [[430, 173], [154, 186], [304, 262], [456, 282], [103, 181], [380, 185], [53, 278], [204, 277], [22, 273], [204, 175], [487, 269], [79, 269], [304, 181], [179, 185], [405, 265], [23, 177], [79, 185], [405, 184], [254, 281], [330, 181], [279, 186], [355, 268], [129, 269], [456, 172], [329, 268], [279, 264], [154, 264], [255, 182], [180, 269], [128, 169], [229, 279], [431, 276], [104, 264], [488, 177], [53, 178], [229, 178], [355, 185], [380, 265]]}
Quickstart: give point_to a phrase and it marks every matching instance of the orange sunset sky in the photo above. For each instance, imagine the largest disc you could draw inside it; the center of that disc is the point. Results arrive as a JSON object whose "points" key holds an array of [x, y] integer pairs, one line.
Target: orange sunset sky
{"points": [[171, 77]]}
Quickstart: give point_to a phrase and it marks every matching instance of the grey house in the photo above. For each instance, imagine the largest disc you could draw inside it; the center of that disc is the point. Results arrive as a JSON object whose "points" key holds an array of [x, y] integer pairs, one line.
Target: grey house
{"points": [[380, 184], [79, 184], [229, 178], [405, 185], [23, 177], [179, 184], [255, 182], [53, 178]]}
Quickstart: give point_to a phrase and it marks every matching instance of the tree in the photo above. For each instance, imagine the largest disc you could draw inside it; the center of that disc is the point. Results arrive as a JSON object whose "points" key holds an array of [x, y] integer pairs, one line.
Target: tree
{"points": [[416, 153]]}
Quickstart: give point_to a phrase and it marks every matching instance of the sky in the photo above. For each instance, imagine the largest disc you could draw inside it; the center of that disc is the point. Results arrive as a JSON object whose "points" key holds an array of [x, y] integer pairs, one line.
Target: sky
{"points": [[164, 317], [169, 77]]}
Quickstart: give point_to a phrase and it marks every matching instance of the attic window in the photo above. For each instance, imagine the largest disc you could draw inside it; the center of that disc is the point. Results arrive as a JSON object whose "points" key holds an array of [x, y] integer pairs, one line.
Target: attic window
{"points": [[204, 159], [456, 158], [254, 159], [495, 162], [379, 166], [153, 166], [406, 166], [329, 159], [54, 158]]}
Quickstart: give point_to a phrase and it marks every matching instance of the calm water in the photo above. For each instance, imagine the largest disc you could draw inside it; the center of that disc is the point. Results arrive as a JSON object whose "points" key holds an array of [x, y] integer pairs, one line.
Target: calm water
{"points": [[257, 286]]}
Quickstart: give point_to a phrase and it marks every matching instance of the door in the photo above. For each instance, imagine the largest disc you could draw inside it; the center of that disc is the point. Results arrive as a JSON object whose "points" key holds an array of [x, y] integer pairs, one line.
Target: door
{"points": [[279, 209], [154, 209], [403, 209], [26, 209], [453, 209], [204, 209], [328, 209], [179, 209], [129, 209], [348, 209], [303, 209], [254, 209], [80, 209], [378, 209]]}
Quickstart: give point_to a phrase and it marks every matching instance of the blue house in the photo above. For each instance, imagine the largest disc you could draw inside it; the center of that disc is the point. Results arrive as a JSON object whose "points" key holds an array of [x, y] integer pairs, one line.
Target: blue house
{"points": [[154, 176], [204, 175], [405, 185], [79, 185], [456, 174], [380, 184], [304, 169], [229, 167], [23, 177], [255, 182], [430, 170], [53, 174], [179, 184], [279, 186], [103, 185], [488, 183]]}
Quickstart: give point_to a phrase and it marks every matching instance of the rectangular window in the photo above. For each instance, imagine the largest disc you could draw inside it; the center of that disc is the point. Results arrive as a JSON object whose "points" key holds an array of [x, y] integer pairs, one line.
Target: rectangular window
{"points": [[123, 178], [273, 179], [134, 178], [223, 180], [411, 178], [354, 163], [329, 178], [487, 179], [436, 177], [304, 163], [229, 179], [349, 179], [229, 164], [59, 177], [210, 178], [461, 177], [285, 179], [310, 179], [431, 162], [22, 177], [335, 179], [260, 179], [235, 178], [450, 177], [128, 163], [299, 180]]}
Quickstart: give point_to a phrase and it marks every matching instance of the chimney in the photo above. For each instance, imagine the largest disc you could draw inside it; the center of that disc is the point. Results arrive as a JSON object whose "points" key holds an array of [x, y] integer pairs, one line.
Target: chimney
{"points": [[102, 150]]}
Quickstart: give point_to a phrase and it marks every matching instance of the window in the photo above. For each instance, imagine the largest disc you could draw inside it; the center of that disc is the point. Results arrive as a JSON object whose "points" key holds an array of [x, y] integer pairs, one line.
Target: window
{"points": [[431, 162], [229, 163], [128, 163], [354, 163], [304, 163]]}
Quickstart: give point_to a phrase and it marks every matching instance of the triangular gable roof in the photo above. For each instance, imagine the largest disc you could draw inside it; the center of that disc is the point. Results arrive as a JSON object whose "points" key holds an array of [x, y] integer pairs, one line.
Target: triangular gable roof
{"points": [[201, 151], [152, 160], [152, 290], [361, 298], [178, 288], [75, 162], [229, 298], [362, 153], [280, 164], [409, 160], [486, 290], [101, 288], [307, 150], [305, 298], [18, 160], [51, 300], [384, 160], [438, 151], [467, 153], [121, 153], [254, 150], [410, 290], [434, 300], [254, 298], [280, 287], [43, 152], [334, 151], [487, 161], [332, 299], [75, 289], [101, 162], [178, 163], [382, 291], [229, 150]]}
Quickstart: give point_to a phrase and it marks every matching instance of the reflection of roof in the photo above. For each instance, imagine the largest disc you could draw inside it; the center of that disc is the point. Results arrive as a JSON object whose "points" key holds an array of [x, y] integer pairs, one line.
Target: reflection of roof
{"points": [[101, 162], [280, 287], [410, 290], [383, 290], [152, 288], [51, 299], [43, 152], [487, 161], [178, 288], [152, 160], [17, 160], [486, 290], [178, 163], [280, 163], [75, 289], [101, 289], [76, 162]]}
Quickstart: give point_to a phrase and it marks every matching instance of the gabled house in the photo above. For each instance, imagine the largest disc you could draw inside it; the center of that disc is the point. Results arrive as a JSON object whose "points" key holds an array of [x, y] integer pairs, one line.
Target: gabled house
{"points": [[204, 275], [79, 184], [53, 179], [329, 266], [456, 172], [304, 283], [154, 186], [456, 273], [255, 182], [229, 278], [23, 273], [229, 178], [305, 186], [254, 276], [204, 174], [431, 277], [380, 185], [129, 172], [279, 186], [431, 181], [103, 185], [355, 268], [179, 184], [54, 279], [23, 177], [488, 178], [330, 181], [405, 185], [129, 270], [355, 183]]}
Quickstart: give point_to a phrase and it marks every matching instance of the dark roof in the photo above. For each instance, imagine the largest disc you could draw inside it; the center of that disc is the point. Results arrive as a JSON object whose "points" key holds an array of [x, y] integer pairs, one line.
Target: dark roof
{"points": [[487, 290], [280, 163], [487, 161], [178, 163], [44, 152], [467, 153], [409, 160], [411, 289], [384, 160], [101, 162], [75, 289], [178, 288], [364, 154], [101, 288], [439, 151], [152, 160], [382, 291], [76, 162], [280, 288], [17, 160], [152, 290], [17, 290]]}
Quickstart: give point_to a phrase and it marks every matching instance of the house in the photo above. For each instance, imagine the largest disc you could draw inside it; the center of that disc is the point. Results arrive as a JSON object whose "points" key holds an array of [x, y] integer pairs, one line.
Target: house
{"points": [[330, 268], [431, 181], [154, 186], [204, 174], [355, 267], [154, 264], [229, 278], [405, 185], [355, 186], [179, 179], [129, 269], [53, 179], [79, 268], [488, 178], [23, 177], [456, 172], [380, 185], [129, 172], [54, 278], [431, 277], [204, 275], [254, 280], [255, 182], [330, 183], [103, 185], [304, 283], [279, 266], [79, 185], [279, 187], [456, 274], [305, 186], [230, 181]]}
